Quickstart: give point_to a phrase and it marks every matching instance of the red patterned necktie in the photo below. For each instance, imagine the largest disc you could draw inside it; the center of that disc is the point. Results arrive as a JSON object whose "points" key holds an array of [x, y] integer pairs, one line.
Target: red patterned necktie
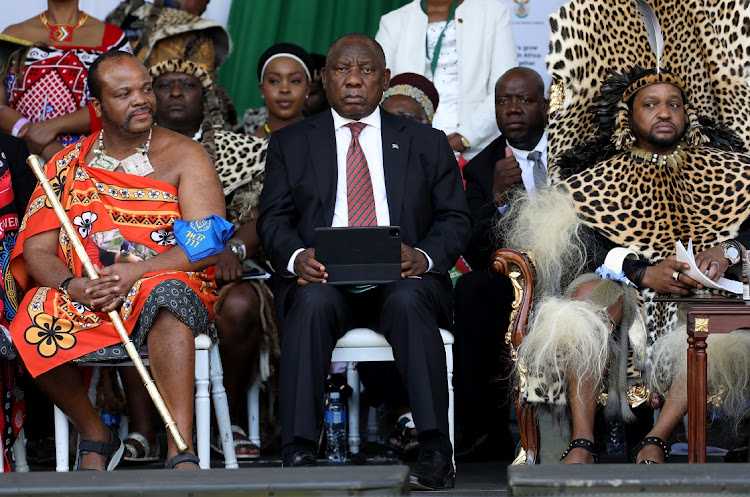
{"points": [[359, 197]]}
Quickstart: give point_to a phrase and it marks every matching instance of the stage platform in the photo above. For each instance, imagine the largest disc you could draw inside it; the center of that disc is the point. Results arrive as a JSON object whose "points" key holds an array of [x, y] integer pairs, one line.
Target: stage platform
{"points": [[375, 481], [264, 477], [254, 478], [684, 480]]}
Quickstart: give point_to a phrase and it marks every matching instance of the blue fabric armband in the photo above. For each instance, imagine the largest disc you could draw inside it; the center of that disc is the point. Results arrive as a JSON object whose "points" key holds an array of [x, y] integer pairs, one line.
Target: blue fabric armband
{"points": [[203, 238], [607, 273]]}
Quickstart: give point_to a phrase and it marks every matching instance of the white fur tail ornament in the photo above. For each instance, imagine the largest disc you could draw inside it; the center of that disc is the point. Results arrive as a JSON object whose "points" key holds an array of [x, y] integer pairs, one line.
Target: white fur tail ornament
{"points": [[546, 224], [564, 332]]}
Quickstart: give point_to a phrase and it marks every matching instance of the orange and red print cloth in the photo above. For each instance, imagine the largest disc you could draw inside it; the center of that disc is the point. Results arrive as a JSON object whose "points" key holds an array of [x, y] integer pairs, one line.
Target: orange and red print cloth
{"points": [[12, 405], [119, 218]]}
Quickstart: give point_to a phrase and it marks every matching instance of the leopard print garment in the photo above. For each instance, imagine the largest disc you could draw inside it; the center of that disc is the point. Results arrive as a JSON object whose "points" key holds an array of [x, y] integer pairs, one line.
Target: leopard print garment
{"points": [[640, 207], [240, 158], [241, 165], [648, 208], [706, 43], [187, 36]]}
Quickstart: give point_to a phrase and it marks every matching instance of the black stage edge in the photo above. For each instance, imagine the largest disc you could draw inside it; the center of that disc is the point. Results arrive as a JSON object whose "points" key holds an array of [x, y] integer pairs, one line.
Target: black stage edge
{"points": [[686, 480], [368, 481]]}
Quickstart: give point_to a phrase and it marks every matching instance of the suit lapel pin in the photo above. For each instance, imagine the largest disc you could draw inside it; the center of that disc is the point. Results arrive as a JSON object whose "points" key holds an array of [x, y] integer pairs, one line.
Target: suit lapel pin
{"points": [[394, 146]]}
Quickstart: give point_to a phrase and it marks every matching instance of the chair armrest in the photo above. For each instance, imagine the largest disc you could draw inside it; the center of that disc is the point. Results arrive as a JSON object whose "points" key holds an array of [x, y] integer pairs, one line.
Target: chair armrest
{"points": [[519, 267]]}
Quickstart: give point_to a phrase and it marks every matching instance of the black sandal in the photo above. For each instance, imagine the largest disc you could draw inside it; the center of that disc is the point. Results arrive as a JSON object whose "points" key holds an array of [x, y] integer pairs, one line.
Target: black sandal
{"points": [[650, 441], [582, 443], [112, 450], [187, 457]]}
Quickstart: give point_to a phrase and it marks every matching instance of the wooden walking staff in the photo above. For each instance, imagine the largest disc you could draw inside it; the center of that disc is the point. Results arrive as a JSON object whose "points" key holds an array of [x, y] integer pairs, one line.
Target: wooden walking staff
{"points": [[33, 161]]}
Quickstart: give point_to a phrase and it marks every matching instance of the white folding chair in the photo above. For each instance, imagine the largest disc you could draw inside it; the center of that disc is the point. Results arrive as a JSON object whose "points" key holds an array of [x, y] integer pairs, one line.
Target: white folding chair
{"points": [[358, 345], [366, 345], [208, 370], [19, 454]]}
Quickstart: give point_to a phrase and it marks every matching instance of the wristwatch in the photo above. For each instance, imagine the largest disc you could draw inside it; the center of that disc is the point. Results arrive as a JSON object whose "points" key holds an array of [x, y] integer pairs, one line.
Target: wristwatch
{"points": [[466, 143], [731, 252], [238, 248], [64, 285]]}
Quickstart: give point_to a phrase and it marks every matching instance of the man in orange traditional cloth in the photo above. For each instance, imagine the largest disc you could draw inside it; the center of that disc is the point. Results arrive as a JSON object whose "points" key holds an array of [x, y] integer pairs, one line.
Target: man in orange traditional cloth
{"points": [[128, 210]]}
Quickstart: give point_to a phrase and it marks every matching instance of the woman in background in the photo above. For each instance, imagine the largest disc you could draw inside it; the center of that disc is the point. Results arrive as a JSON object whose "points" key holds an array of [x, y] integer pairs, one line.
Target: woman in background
{"points": [[45, 98]]}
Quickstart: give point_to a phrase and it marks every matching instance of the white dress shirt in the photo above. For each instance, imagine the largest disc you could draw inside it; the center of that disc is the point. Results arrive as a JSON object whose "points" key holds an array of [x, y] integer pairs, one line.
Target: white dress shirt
{"points": [[371, 141], [527, 166]]}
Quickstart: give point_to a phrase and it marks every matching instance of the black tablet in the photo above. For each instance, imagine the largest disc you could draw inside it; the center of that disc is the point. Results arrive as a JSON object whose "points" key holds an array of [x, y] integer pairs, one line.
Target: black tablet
{"points": [[359, 255]]}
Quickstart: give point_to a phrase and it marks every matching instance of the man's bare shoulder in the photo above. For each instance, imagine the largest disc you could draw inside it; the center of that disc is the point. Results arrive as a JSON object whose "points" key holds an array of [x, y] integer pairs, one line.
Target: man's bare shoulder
{"points": [[182, 162], [174, 157], [177, 149]]}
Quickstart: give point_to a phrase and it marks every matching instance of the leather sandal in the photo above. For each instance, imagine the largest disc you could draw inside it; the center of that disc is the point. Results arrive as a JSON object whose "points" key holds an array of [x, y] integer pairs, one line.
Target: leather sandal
{"points": [[582, 443], [133, 453], [112, 450], [240, 440], [650, 441], [187, 457]]}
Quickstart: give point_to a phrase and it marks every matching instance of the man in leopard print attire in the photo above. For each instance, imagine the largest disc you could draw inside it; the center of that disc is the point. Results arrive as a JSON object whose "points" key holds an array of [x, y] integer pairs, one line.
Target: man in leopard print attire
{"points": [[651, 167]]}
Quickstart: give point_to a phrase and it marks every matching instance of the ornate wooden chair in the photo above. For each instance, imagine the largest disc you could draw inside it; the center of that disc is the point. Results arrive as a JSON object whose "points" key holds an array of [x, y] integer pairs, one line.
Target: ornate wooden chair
{"points": [[519, 267]]}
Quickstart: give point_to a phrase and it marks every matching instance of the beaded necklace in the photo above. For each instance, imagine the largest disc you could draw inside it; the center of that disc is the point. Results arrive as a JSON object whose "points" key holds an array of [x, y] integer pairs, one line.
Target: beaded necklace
{"points": [[62, 33], [137, 164], [673, 160]]}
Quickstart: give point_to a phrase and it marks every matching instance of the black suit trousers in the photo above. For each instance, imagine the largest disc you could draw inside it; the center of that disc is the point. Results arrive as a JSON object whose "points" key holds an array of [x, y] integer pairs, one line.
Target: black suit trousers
{"points": [[407, 312], [482, 300]]}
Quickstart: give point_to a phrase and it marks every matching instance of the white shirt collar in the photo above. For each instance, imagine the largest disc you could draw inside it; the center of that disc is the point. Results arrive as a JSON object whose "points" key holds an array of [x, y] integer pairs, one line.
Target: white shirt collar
{"points": [[371, 120], [541, 146]]}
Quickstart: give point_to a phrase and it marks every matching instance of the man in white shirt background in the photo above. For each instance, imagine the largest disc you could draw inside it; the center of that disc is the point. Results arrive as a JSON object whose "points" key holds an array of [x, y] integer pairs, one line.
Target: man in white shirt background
{"points": [[482, 298]]}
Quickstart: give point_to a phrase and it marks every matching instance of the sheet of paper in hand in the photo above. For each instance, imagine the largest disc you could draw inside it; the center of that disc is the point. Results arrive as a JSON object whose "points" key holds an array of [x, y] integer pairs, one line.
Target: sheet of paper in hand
{"points": [[686, 255], [252, 271]]}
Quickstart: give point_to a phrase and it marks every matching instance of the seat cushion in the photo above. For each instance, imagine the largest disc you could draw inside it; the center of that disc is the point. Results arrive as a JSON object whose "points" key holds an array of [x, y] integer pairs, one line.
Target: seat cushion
{"points": [[365, 337]]}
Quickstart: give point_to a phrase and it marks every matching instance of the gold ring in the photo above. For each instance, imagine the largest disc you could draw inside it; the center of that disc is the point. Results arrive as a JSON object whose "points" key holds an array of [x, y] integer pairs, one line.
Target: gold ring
{"points": [[676, 276]]}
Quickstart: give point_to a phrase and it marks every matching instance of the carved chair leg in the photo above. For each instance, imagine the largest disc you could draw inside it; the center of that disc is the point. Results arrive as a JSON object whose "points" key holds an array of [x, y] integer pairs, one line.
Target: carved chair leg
{"points": [[529, 429]]}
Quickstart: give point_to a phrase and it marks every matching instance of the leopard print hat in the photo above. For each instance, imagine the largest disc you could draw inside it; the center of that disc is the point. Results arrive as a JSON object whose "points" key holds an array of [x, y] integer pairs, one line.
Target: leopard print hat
{"points": [[212, 116], [592, 40]]}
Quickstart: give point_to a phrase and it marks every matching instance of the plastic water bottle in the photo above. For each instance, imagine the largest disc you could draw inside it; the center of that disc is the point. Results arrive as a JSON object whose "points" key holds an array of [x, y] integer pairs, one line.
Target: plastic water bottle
{"points": [[335, 420]]}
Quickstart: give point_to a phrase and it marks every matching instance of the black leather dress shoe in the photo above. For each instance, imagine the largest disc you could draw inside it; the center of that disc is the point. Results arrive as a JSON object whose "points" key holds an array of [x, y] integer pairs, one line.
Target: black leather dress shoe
{"points": [[488, 447], [433, 471], [300, 459]]}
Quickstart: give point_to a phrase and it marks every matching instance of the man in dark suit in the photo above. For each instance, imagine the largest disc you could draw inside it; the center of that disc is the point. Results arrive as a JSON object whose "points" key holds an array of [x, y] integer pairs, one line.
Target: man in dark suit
{"points": [[314, 178], [483, 297]]}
